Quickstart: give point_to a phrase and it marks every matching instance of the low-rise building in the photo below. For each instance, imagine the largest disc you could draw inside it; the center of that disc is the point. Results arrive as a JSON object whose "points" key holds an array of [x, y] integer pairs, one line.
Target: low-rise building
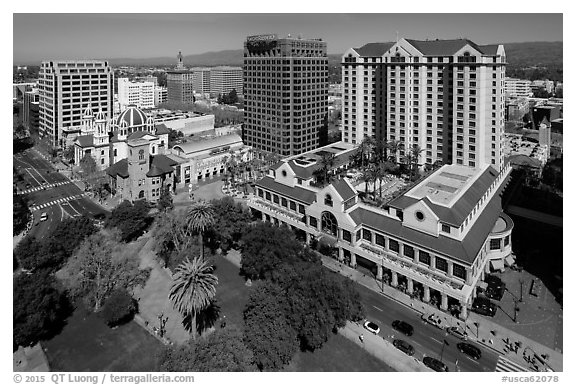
{"points": [[189, 123], [435, 240]]}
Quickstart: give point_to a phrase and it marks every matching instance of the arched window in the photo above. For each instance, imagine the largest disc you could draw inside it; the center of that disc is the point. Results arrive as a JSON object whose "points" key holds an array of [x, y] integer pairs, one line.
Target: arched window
{"points": [[141, 155], [141, 195], [329, 223], [328, 200]]}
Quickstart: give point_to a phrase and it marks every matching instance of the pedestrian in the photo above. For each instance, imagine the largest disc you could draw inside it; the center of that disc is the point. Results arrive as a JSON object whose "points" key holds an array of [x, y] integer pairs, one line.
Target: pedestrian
{"points": [[362, 338]]}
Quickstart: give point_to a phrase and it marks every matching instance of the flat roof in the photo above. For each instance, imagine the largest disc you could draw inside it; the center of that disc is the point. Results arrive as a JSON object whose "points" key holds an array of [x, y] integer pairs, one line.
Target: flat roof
{"points": [[445, 185]]}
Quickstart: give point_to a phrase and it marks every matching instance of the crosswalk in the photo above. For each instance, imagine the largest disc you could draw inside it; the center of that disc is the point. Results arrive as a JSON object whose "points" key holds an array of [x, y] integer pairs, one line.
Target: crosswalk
{"points": [[33, 189], [56, 202], [505, 365]]}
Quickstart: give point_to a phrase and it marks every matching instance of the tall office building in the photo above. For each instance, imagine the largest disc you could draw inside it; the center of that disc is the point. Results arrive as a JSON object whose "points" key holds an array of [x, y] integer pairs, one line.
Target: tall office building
{"points": [[201, 80], [30, 109], [139, 93], [285, 93], [445, 96], [66, 89], [225, 79], [180, 83]]}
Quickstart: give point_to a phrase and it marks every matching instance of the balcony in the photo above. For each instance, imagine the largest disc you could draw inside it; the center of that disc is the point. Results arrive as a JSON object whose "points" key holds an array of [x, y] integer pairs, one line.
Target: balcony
{"points": [[276, 209]]}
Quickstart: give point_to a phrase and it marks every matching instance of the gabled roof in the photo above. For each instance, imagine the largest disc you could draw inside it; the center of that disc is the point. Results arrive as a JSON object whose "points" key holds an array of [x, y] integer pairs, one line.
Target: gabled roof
{"points": [[138, 135], [344, 189], [164, 163], [491, 49], [373, 49], [162, 129], [464, 251], [296, 193], [119, 168], [460, 209], [85, 140], [521, 160], [441, 47]]}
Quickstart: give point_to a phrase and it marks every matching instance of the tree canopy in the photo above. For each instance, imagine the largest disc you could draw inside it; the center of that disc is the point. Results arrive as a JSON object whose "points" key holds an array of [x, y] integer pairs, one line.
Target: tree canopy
{"points": [[20, 214], [130, 219], [39, 309], [100, 266], [230, 221]]}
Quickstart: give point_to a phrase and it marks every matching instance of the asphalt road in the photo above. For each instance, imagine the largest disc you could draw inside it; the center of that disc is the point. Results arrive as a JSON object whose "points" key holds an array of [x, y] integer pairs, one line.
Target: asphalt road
{"points": [[427, 339], [46, 186]]}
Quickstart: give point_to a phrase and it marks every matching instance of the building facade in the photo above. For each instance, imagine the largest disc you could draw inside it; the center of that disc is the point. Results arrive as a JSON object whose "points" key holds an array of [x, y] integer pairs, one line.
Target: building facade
{"points": [[225, 79], [138, 93], [160, 95], [285, 93], [518, 88], [65, 89], [31, 110], [434, 241], [444, 97], [201, 80], [180, 86]]}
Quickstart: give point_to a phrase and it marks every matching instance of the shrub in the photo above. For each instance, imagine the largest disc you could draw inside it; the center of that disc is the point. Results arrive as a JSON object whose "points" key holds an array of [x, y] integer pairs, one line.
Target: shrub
{"points": [[119, 308]]}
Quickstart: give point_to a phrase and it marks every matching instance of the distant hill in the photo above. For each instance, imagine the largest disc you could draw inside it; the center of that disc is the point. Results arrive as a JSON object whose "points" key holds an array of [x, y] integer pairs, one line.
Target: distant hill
{"points": [[534, 54]]}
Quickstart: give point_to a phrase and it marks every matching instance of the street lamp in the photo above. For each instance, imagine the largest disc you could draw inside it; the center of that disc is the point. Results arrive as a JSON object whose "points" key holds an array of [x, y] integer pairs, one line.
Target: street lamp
{"points": [[521, 288], [516, 309]]}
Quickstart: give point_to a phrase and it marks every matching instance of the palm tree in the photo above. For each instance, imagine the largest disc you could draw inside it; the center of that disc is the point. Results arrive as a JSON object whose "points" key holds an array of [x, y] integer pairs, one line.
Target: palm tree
{"points": [[193, 288], [393, 147], [365, 149], [200, 217]]}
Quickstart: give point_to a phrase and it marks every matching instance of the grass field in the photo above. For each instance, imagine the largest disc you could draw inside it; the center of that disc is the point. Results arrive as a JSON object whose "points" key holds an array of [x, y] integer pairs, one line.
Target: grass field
{"points": [[88, 344]]}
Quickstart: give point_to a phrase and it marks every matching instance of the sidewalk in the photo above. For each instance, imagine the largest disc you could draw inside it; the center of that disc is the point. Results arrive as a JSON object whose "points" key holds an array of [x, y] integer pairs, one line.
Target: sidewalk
{"points": [[377, 346], [487, 330]]}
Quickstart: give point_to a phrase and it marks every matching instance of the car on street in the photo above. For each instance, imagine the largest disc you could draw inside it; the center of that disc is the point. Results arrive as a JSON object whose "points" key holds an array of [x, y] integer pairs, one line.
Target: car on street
{"points": [[435, 364], [43, 217], [484, 306], [457, 332], [403, 327], [404, 346], [28, 186], [371, 327], [469, 350]]}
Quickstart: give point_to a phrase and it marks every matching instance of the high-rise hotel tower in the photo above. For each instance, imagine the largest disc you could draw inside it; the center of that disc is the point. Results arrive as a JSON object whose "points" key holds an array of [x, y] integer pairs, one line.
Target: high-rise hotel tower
{"points": [[445, 96], [285, 93]]}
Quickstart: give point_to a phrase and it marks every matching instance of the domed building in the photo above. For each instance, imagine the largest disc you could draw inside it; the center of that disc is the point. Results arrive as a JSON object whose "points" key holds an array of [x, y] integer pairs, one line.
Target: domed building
{"points": [[133, 119]]}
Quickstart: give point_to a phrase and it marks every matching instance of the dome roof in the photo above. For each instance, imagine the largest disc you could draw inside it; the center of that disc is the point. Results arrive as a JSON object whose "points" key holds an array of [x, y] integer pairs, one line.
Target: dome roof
{"points": [[100, 115], [133, 115]]}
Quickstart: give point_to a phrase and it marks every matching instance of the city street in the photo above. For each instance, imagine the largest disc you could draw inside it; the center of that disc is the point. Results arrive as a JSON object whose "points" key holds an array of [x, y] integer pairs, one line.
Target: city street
{"points": [[427, 339], [50, 192]]}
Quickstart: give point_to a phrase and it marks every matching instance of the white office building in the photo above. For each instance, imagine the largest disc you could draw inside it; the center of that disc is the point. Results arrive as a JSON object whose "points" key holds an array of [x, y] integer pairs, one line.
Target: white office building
{"points": [[138, 93]]}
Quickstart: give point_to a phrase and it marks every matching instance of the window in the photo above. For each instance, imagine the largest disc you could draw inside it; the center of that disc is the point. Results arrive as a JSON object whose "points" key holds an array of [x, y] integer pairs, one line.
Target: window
{"points": [[445, 228], [419, 215], [441, 264], [292, 205], [507, 240], [329, 223], [346, 235], [495, 244], [380, 241], [301, 209], [276, 198], [328, 200], [408, 251], [424, 257], [313, 222], [459, 271], [268, 196], [284, 202], [394, 245], [260, 193], [141, 155], [367, 235]]}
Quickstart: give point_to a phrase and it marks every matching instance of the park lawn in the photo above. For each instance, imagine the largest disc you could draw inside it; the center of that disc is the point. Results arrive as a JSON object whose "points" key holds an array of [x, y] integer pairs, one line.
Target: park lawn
{"points": [[88, 344], [337, 355]]}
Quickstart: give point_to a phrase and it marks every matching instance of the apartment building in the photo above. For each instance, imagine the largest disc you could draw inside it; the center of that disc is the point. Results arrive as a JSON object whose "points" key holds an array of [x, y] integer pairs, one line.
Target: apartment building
{"points": [[445, 97], [285, 93], [225, 79], [66, 88], [138, 93]]}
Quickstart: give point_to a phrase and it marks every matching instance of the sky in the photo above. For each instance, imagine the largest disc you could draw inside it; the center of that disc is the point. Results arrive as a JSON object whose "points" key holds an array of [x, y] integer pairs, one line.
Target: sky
{"points": [[38, 37]]}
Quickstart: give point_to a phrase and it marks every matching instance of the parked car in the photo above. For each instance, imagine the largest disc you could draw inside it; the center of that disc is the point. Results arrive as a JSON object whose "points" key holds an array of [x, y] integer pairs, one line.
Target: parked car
{"points": [[457, 332], [469, 350], [28, 186], [403, 327], [404, 347], [43, 217], [495, 293], [371, 327], [435, 364], [484, 306], [494, 281]]}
